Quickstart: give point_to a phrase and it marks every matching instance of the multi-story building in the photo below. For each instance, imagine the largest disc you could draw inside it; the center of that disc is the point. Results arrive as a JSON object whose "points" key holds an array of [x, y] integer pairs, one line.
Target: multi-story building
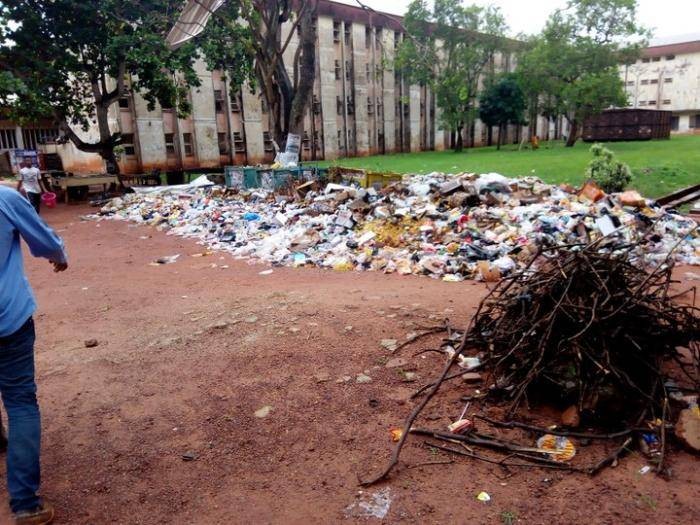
{"points": [[667, 76], [361, 106]]}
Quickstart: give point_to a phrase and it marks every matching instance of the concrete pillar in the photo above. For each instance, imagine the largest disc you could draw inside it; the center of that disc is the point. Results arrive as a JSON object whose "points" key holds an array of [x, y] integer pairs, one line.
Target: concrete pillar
{"points": [[150, 134], [439, 131], [204, 118], [414, 117], [360, 58], [326, 57], [19, 138], [252, 124], [389, 102]]}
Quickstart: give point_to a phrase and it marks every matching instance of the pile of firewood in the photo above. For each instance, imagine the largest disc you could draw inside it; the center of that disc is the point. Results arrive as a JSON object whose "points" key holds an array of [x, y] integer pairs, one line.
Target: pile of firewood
{"points": [[583, 330]]}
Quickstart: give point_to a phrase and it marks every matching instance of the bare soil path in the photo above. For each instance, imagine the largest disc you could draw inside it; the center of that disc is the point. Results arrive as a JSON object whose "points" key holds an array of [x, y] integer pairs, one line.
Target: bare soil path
{"points": [[189, 351]]}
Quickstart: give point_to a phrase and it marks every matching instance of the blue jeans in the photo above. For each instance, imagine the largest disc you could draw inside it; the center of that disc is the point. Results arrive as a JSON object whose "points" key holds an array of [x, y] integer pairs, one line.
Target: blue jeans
{"points": [[18, 391]]}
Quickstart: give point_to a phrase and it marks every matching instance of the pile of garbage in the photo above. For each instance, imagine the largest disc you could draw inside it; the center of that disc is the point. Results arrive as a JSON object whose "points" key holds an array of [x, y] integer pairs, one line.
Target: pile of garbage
{"points": [[452, 227], [589, 336]]}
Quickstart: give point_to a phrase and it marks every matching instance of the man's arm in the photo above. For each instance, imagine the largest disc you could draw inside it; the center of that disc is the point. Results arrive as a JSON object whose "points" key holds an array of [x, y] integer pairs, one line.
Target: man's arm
{"points": [[41, 239]]}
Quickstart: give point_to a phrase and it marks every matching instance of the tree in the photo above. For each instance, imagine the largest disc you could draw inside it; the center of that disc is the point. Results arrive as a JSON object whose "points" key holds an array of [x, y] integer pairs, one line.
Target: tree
{"points": [[72, 60], [571, 68], [450, 49], [287, 97], [502, 103]]}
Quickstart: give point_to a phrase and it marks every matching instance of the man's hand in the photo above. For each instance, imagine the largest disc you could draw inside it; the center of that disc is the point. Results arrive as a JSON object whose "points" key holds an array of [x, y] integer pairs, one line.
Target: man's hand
{"points": [[59, 266]]}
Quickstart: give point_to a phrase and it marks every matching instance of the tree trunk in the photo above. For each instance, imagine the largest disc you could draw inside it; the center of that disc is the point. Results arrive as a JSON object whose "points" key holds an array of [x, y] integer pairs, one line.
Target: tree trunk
{"points": [[306, 74], [573, 133], [459, 142], [500, 139]]}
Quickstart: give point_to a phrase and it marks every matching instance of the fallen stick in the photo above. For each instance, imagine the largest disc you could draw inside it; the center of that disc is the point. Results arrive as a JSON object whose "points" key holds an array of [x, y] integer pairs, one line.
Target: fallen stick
{"points": [[499, 462], [565, 433], [411, 418], [434, 330], [610, 458], [442, 380]]}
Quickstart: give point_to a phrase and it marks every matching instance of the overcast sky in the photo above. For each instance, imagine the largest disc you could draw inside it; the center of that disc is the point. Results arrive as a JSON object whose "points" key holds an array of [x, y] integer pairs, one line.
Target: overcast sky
{"points": [[665, 17]]}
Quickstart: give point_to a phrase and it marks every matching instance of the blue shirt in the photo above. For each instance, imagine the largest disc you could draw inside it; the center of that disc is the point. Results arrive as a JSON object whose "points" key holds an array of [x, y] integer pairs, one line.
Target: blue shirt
{"points": [[18, 219]]}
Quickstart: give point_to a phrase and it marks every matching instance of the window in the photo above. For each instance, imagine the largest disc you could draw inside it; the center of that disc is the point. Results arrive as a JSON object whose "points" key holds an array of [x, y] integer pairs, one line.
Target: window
{"points": [[670, 57], [348, 70], [188, 144], [368, 72], [336, 32], [644, 82], [654, 81], [397, 39], [267, 141], [370, 106], [170, 144], [305, 142], [348, 33], [34, 136], [652, 102], [674, 123], [368, 37], [645, 60], [351, 106], [380, 107], [656, 59], [630, 82], [337, 69], [223, 143], [642, 103], [338, 105], [316, 106], [317, 141], [378, 73], [124, 103], [236, 103], [8, 139], [667, 101], [219, 101], [406, 109], [668, 80], [238, 142], [128, 144], [341, 146]]}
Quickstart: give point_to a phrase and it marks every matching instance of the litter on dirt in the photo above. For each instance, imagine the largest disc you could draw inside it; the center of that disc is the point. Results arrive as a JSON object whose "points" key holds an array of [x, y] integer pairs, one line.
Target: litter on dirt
{"points": [[449, 227]]}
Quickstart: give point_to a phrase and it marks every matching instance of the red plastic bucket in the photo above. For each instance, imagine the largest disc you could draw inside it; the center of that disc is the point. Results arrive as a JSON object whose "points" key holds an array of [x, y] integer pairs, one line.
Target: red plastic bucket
{"points": [[49, 199]]}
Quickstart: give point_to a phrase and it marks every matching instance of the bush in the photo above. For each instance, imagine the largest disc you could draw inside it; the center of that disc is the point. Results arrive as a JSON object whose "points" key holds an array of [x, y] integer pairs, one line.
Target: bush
{"points": [[609, 173]]}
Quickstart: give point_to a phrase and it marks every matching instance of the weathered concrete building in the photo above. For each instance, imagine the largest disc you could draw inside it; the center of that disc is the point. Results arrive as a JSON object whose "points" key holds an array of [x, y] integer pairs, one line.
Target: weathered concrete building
{"points": [[361, 106], [667, 76]]}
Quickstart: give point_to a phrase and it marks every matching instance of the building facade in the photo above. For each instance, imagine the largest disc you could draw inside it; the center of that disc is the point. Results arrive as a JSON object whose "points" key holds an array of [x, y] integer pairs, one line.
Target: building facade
{"points": [[667, 77], [361, 106]]}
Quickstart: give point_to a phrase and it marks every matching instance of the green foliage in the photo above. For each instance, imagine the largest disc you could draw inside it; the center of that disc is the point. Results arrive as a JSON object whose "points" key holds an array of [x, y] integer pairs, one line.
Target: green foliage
{"points": [[449, 48], [659, 166], [571, 68], [508, 517], [72, 59], [502, 102], [609, 173]]}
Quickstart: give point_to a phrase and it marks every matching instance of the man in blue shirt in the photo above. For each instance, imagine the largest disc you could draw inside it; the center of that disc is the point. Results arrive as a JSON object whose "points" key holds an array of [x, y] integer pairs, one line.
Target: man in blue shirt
{"points": [[18, 219]]}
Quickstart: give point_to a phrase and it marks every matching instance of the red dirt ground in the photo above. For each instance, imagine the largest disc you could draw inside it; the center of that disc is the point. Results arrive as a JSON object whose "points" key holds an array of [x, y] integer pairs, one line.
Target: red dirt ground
{"points": [[165, 381]]}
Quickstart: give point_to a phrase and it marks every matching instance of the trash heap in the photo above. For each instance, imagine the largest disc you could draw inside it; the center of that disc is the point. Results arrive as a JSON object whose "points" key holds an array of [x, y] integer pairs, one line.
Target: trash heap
{"points": [[449, 227], [586, 334]]}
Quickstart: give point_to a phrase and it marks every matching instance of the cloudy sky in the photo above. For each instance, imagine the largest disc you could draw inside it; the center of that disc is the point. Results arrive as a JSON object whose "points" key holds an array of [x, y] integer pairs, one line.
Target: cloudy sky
{"points": [[667, 18]]}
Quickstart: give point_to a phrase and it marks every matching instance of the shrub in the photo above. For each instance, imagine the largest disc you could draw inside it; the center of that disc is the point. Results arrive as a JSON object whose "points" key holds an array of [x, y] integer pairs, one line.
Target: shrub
{"points": [[609, 173]]}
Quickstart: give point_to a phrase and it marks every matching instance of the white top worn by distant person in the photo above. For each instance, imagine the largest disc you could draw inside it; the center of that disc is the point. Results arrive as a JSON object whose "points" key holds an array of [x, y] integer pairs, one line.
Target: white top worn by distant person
{"points": [[30, 179]]}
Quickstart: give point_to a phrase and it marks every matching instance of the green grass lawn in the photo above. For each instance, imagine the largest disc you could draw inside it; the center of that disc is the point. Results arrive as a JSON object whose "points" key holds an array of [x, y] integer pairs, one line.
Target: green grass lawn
{"points": [[659, 166]]}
